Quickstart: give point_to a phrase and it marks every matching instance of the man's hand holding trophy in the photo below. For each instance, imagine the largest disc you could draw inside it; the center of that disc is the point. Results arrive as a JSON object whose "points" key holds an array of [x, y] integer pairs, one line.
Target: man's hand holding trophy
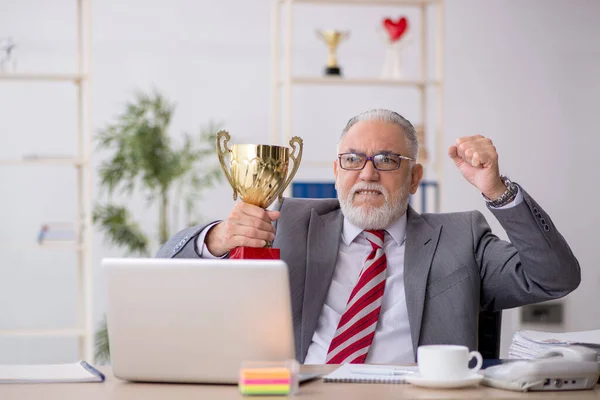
{"points": [[258, 174]]}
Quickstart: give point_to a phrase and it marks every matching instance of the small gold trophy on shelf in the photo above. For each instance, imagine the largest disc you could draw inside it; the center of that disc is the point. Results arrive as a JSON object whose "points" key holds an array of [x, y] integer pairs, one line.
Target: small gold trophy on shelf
{"points": [[332, 39], [258, 174]]}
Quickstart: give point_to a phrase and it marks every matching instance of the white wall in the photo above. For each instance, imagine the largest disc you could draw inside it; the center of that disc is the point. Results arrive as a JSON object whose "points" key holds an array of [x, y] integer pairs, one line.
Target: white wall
{"points": [[522, 73], [525, 74]]}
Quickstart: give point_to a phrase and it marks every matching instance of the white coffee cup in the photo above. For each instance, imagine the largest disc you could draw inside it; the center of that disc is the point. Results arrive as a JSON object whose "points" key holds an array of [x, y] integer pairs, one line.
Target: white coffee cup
{"points": [[446, 362]]}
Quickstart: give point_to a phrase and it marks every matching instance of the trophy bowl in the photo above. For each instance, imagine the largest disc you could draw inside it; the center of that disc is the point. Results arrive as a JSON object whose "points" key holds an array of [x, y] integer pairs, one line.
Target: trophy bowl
{"points": [[258, 173]]}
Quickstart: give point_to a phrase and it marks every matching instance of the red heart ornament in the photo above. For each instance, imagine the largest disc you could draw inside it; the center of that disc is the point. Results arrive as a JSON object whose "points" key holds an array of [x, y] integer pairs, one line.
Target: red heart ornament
{"points": [[395, 29]]}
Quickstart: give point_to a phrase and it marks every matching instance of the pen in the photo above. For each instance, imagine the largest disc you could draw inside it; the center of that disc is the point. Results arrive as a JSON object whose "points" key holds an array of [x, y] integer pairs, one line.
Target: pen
{"points": [[381, 371]]}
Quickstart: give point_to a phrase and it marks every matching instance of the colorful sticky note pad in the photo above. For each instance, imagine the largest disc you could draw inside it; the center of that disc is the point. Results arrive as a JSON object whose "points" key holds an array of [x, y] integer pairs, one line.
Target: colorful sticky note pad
{"points": [[265, 381]]}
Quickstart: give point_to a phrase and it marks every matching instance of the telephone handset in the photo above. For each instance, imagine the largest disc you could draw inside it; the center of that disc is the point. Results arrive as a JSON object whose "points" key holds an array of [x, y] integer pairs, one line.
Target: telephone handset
{"points": [[560, 368], [573, 353]]}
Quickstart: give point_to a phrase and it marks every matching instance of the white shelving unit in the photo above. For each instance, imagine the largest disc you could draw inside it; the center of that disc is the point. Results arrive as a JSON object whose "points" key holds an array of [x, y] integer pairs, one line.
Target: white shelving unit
{"points": [[81, 162], [283, 79]]}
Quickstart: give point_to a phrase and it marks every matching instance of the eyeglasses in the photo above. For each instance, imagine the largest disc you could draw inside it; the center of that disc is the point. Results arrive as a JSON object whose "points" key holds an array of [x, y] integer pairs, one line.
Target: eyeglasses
{"points": [[381, 162]]}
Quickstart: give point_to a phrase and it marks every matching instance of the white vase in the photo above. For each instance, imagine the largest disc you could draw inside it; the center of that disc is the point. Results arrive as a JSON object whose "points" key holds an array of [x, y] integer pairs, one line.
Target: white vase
{"points": [[393, 67]]}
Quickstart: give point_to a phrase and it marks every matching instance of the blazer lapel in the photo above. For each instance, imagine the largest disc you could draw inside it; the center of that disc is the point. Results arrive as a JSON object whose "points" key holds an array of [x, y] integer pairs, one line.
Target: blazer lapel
{"points": [[421, 244], [324, 233]]}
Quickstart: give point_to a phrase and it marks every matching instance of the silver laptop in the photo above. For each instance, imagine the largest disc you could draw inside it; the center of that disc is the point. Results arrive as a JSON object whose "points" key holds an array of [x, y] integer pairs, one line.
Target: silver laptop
{"points": [[191, 320]]}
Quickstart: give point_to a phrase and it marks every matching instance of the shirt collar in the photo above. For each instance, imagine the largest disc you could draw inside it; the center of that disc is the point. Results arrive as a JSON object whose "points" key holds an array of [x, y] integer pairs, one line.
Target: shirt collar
{"points": [[397, 230]]}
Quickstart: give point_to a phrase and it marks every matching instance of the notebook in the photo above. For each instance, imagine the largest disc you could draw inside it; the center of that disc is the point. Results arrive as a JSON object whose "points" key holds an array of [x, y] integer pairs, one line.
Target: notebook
{"points": [[365, 373], [50, 373]]}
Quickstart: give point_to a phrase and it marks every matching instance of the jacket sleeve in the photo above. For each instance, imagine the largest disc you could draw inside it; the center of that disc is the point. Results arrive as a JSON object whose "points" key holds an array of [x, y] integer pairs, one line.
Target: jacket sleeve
{"points": [[183, 243], [536, 265]]}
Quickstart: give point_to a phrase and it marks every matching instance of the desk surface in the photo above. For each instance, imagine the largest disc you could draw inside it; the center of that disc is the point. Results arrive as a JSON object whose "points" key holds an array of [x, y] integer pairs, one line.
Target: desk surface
{"points": [[115, 389]]}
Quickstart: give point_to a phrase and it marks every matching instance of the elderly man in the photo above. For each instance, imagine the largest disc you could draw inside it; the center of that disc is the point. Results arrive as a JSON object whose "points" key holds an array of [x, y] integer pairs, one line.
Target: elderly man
{"points": [[370, 278]]}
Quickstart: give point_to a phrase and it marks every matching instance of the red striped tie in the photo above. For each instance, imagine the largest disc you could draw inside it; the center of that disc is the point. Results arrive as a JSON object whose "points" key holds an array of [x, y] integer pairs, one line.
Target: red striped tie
{"points": [[356, 328]]}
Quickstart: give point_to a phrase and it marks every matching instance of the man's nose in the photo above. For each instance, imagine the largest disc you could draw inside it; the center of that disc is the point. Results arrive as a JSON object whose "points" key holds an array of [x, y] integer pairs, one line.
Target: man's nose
{"points": [[369, 173]]}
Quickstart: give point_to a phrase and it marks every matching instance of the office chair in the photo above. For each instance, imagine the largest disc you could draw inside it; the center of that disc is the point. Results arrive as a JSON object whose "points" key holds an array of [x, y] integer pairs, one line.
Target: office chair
{"points": [[490, 324]]}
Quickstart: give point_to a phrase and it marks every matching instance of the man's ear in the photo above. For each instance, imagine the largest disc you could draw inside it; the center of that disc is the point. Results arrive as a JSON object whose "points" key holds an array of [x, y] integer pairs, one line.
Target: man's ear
{"points": [[416, 174], [335, 169]]}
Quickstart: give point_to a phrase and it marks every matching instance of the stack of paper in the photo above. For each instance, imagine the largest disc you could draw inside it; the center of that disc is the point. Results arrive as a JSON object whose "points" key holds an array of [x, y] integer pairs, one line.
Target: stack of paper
{"points": [[530, 344], [50, 373]]}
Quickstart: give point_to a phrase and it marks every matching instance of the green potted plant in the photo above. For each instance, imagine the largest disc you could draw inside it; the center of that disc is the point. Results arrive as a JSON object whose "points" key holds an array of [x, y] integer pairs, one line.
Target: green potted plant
{"points": [[146, 160]]}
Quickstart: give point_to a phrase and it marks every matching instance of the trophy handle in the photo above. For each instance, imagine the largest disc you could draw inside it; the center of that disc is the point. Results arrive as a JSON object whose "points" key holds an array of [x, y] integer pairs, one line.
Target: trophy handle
{"points": [[296, 144], [221, 154]]}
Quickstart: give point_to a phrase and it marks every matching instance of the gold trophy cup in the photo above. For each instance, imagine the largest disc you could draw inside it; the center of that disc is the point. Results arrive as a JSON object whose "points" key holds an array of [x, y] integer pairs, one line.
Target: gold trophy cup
{"points": [[258, 174], [332, 39]]}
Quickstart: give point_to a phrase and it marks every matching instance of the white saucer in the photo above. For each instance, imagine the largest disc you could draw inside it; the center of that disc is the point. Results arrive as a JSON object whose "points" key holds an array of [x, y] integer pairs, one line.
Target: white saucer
{"points": [[418, 380]]}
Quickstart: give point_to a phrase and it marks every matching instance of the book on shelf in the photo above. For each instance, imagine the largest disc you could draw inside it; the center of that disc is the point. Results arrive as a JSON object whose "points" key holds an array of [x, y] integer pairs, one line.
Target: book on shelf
{"points": [[56, 233], [314, 190]]}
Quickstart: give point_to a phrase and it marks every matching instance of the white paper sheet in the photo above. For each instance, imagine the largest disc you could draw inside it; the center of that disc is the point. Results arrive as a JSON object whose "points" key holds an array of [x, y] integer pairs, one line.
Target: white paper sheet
{"points": [[48, 373]]}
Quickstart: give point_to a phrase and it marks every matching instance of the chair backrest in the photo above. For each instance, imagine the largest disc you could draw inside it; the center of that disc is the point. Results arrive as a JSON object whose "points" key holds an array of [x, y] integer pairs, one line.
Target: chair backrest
{"points": [[490, 324]]}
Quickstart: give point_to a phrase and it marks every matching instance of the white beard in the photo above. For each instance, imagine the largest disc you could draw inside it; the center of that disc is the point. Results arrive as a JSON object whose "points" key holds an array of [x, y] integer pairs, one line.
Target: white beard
{"points": [[370, 217]]}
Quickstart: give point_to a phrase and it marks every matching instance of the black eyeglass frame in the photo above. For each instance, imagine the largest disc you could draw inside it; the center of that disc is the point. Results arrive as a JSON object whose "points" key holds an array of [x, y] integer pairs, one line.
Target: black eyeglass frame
{"points": [[366, 158]]}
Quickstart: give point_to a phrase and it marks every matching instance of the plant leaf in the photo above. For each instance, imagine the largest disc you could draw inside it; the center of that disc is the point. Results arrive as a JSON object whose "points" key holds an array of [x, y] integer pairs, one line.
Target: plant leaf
{"points": [[101, 344], [119, 228]]}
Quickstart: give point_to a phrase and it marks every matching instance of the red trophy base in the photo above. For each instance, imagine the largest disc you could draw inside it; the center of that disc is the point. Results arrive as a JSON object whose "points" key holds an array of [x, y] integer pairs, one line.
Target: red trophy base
{"points": [[254, 253]]}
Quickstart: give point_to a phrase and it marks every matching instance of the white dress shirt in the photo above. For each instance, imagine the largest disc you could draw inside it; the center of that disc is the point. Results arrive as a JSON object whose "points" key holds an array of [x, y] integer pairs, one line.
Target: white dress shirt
{"points": [[392, 343], [201, 248]]}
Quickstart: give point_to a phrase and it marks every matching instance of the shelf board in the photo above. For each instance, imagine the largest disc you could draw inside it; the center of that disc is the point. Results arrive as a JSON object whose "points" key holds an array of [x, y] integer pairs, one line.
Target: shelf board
{"points": [[43, 161], [322, 80], [49, 77], [65, 245], [368, 2], [48, 246], [42, 332]]}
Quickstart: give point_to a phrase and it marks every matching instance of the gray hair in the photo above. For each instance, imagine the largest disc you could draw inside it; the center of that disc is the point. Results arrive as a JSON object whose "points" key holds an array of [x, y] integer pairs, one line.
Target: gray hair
{"points": [[388, 116]]}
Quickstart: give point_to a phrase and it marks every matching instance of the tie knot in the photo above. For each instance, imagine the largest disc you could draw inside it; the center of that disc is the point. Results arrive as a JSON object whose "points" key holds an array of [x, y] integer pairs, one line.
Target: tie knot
{"points": [[375, 237]]}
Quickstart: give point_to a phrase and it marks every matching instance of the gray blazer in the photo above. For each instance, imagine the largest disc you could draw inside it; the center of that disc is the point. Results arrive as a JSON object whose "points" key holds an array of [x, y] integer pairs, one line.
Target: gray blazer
{"points": [[453, 268]]}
